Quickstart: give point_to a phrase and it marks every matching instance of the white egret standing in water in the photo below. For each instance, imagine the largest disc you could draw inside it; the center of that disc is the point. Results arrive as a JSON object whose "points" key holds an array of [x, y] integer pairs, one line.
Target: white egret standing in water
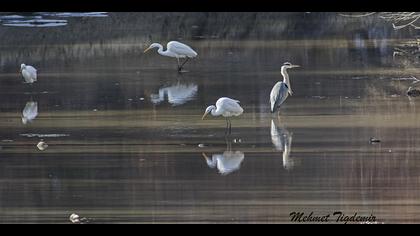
{"points": [[29, 73], [281, 89], [227, 108], [175, 49]]}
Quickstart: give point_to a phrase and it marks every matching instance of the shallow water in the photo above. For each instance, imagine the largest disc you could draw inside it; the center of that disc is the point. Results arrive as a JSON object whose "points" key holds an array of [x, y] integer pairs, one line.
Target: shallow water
{"points": [[127, 143]]}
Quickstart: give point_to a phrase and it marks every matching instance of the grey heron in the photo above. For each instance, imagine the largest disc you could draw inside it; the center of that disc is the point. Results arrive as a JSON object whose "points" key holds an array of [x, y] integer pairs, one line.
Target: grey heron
{"points": [[281, 89], [175, 49], [227, 108]]}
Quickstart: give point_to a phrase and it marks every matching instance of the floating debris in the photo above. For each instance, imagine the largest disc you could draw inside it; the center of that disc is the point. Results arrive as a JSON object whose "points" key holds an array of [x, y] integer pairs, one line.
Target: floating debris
{"points": [[319, 97], [7, 140], [141, 99], [395, 95], [42, 145], [130, 99], [237, 140], [75, 14], [95, 110], [389, 150], [201, 145], [374, 140], [35, 23], [44, 135]]}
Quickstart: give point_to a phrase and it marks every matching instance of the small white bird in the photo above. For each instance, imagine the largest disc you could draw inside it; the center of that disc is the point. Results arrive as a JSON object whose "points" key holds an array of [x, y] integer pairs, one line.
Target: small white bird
{"points": [[175, 49], [42, 145], [227, 108], [30, 112], [29, 73], [75, 219]]}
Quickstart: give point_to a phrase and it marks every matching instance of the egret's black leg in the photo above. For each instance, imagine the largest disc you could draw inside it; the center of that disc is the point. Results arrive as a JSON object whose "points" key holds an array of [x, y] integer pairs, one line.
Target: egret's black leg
{"points": [[230, 126], [227, 126], [180, 68]]}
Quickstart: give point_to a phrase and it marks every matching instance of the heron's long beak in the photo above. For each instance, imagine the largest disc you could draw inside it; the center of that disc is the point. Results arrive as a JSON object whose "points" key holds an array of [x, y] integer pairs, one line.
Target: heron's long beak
{"points": [[293, 66], [147, 49], [205, 114]]}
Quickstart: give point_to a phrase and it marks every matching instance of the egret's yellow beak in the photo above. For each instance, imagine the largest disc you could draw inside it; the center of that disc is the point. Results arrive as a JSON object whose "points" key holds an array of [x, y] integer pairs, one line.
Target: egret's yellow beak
{"points": [[205, 114], [147, 49]]}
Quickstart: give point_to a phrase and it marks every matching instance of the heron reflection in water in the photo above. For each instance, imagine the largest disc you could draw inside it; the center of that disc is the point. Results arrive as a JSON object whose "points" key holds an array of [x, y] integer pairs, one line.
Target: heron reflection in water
{"points": [[226, 162], [30, 112], [282, 141], [177, 94]]}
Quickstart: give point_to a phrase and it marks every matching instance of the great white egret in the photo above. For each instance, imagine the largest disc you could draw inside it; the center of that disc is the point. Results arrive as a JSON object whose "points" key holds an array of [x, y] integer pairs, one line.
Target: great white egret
{"points": [[225, 107], [29, 73], [281, 89], [175, 49], [30, 112]]}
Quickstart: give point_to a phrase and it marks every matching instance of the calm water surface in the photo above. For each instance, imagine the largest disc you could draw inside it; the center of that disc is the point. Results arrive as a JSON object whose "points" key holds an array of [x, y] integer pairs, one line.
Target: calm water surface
{"points": [[127, 143]]}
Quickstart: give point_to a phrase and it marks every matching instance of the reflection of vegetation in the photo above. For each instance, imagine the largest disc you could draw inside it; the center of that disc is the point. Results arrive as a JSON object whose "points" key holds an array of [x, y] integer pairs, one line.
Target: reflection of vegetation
{"points": [[399, 20], [408, 51]]}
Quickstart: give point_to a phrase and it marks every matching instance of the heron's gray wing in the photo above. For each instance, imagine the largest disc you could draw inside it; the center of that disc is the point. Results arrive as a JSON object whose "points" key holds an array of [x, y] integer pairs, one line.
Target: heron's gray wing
{"points": [[278, 95]]}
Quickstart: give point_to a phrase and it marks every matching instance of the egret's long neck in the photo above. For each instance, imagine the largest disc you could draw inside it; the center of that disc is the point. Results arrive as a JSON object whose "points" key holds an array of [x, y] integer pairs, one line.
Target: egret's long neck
{"points": [[160, 50], [286, 77], [216, 112]]}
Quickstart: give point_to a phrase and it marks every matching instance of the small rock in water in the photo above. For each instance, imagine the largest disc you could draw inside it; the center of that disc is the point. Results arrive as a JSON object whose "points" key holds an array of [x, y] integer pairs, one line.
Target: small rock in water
{"points": [[42, 145], [75, 219], [374, 140], [201, 145]]}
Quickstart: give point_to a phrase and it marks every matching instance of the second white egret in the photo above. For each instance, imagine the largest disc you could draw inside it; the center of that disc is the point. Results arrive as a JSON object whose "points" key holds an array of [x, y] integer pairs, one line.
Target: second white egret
{"points": [[29, 73], [227, 108]]}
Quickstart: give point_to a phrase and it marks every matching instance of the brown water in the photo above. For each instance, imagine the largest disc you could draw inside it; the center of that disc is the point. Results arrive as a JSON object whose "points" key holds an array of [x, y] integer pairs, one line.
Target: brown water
{"points": [[127, 143]]}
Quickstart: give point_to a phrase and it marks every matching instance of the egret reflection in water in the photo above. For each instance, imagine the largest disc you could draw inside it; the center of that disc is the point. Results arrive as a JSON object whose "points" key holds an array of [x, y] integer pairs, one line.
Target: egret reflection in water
{"points": [[282, 141], [226, 162], [30, 112], [177, 94]]}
